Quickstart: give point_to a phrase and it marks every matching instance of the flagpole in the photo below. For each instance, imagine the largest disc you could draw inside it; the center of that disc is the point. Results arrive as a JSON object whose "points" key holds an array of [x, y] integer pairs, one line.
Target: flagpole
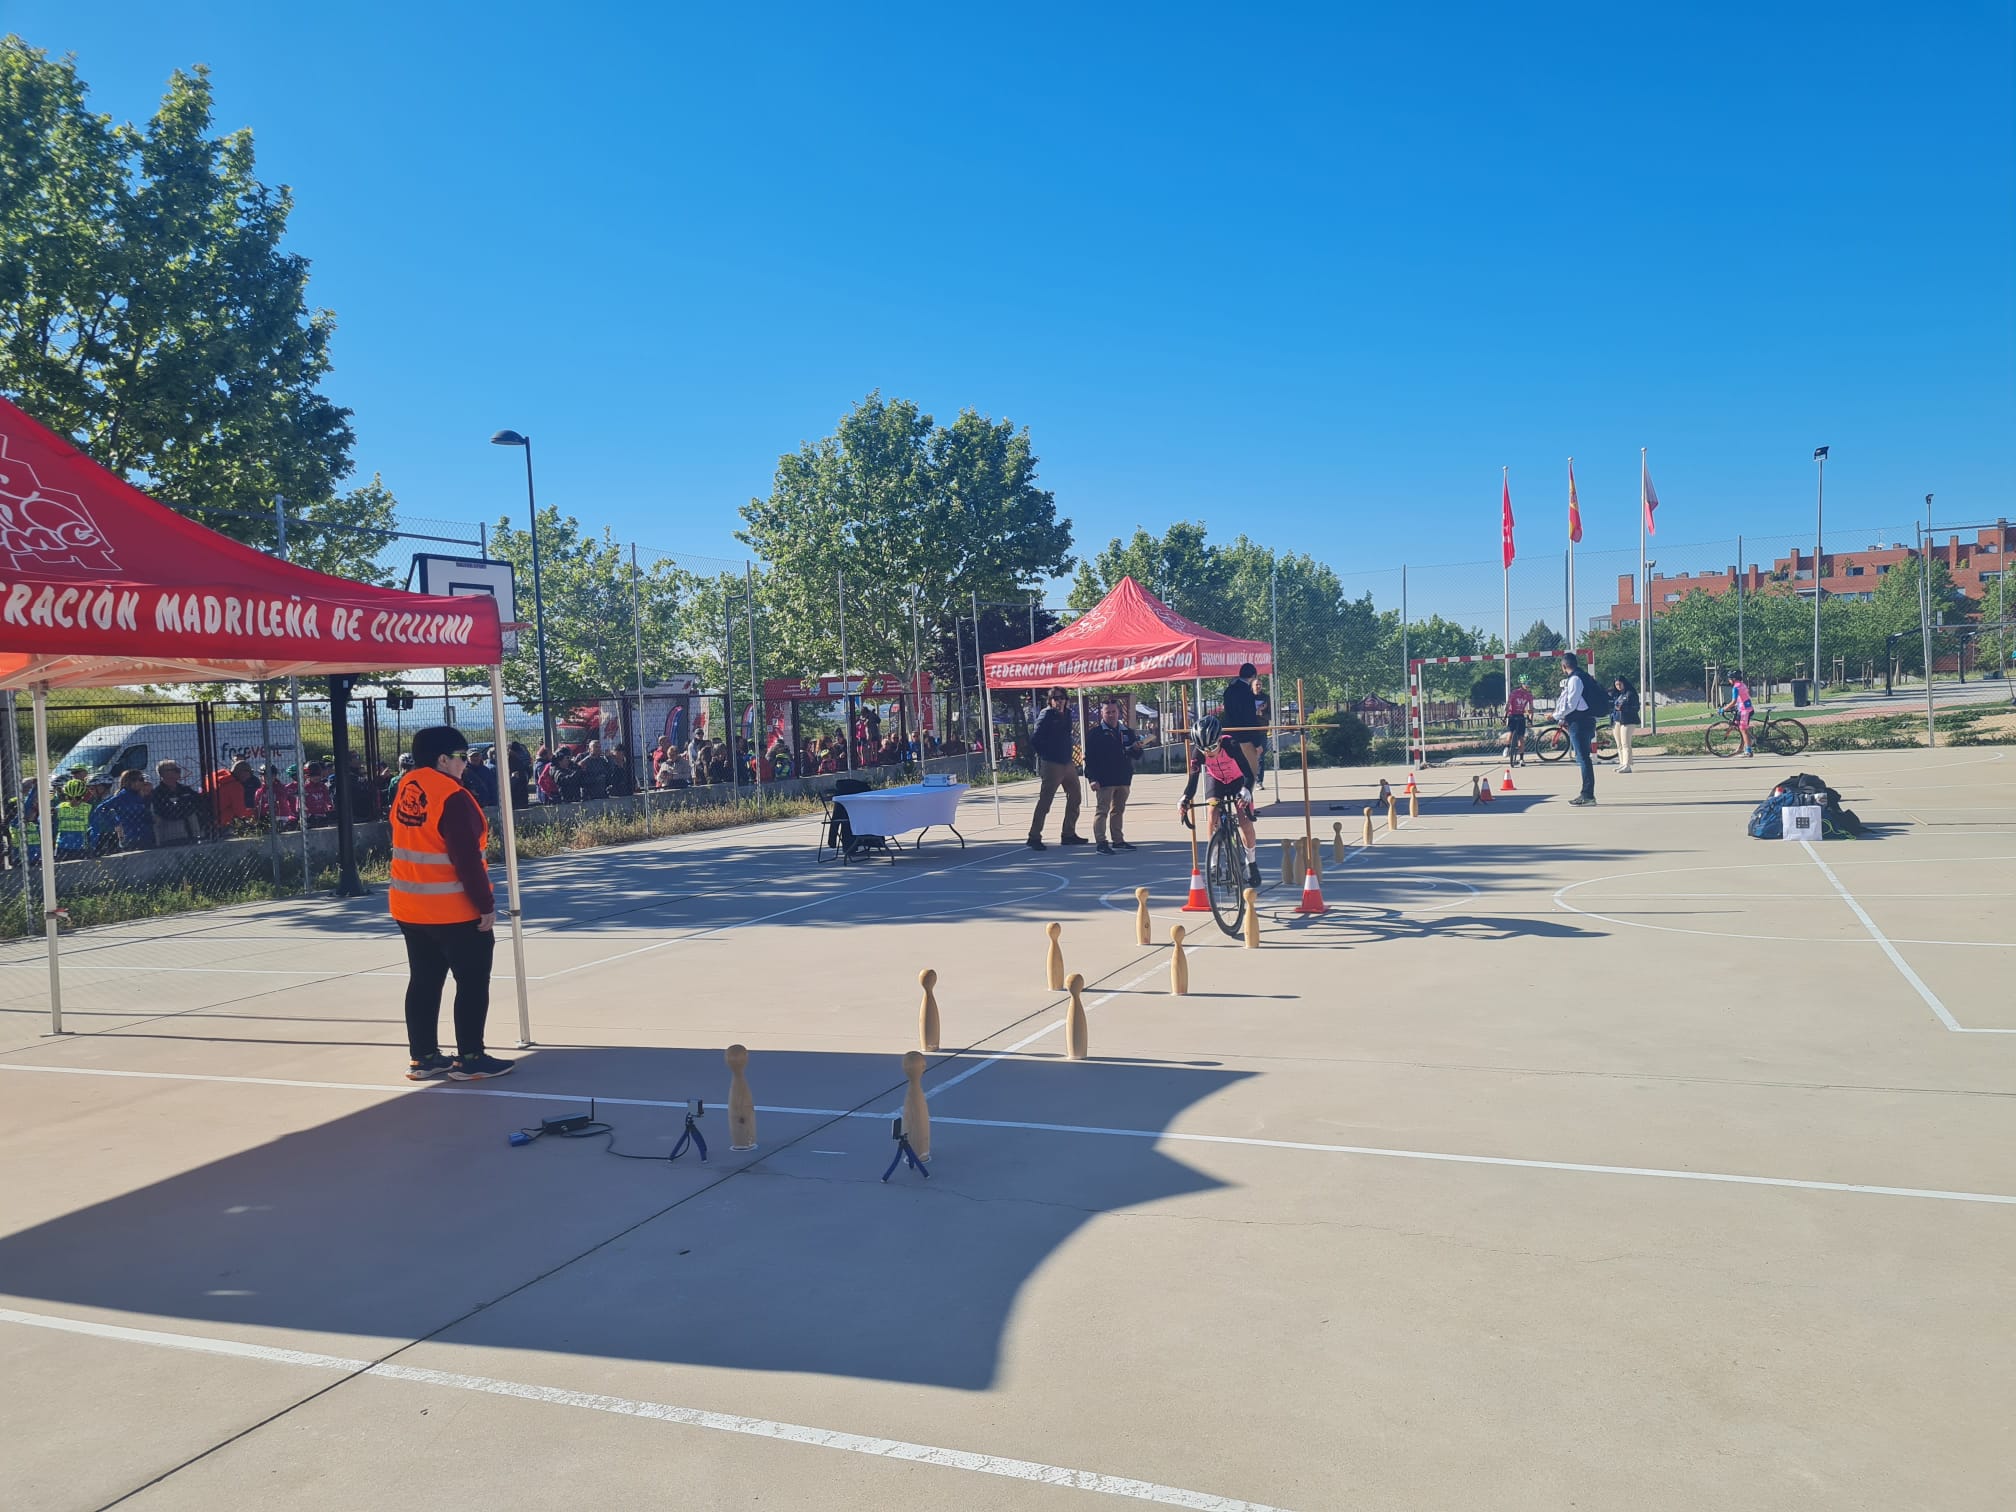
{"points": [[1568, 631], [1503, 557], [1644, 609]]}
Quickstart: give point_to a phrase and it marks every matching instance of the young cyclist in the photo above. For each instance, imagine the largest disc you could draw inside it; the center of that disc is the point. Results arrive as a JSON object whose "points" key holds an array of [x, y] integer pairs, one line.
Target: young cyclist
{"points": [[1518, 710], [1217, 758], [1739, 703]]}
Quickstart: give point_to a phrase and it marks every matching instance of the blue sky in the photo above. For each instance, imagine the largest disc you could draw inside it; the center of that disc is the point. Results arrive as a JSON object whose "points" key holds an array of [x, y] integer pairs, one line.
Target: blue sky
{"points": [[1316, 273]]}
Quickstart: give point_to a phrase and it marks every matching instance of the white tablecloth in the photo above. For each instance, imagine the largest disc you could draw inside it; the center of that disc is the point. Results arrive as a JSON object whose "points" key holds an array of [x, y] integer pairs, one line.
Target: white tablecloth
{"points": [[898, 810]]}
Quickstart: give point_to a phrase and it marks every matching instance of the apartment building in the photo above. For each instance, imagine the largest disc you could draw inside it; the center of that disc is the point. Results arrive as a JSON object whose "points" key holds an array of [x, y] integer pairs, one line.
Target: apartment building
{"points": [[1976, 568]]}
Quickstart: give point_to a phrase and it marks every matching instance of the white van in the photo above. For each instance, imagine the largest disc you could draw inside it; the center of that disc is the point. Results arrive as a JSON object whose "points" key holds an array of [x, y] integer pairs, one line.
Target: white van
{"points": [[111, 749]]}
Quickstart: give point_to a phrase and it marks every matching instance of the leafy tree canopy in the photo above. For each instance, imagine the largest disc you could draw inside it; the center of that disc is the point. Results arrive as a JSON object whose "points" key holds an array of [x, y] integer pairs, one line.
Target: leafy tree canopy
{"points": [[148, 311]]}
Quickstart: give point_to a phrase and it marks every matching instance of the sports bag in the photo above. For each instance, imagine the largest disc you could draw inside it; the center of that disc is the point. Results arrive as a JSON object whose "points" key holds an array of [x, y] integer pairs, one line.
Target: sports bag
{"points": [[1767, 820]]}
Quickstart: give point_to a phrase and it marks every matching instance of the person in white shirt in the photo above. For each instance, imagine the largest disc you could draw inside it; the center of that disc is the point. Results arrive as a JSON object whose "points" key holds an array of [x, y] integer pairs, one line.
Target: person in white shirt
{"points": [[1574, 712]]}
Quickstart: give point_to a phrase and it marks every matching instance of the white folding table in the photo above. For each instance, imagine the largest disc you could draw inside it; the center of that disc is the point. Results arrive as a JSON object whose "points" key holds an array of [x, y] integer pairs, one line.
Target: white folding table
{"points": [[897, 811]]}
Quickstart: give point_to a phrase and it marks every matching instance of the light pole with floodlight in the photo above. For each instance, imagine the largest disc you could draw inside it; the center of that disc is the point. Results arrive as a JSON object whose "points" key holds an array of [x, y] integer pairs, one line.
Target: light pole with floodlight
{"points": [[512, 438], [1819, 504]]}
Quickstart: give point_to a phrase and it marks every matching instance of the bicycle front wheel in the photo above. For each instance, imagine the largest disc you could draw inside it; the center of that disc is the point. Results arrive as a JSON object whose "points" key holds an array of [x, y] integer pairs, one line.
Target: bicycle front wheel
{"points": [[1722, 738], [1785, 737], [1225, 878], [1604, 746], [1550, 744]]}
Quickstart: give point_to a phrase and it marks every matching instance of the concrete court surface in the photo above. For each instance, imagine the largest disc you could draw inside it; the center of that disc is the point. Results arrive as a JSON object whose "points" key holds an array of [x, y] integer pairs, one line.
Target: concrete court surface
{"points": [[1601, 1158]]}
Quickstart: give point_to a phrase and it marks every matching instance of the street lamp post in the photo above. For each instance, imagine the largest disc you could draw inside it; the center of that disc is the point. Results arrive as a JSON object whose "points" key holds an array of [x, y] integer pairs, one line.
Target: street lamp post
{"points": [[512, 438], [1819, 503], [1651, 697]]}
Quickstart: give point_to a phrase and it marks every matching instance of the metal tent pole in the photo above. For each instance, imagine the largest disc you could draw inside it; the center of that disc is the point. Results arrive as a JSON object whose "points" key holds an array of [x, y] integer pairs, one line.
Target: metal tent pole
{"points": [[509, 821], [986, 708], [846, 697], [46, 827], [300, 753], [640, 780]]}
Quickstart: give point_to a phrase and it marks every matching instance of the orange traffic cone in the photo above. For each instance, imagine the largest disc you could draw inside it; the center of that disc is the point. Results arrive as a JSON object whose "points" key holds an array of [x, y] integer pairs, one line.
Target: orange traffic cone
{"points": [[1200, 901], [1506, 785], [1410, 790], [1312, 894]]}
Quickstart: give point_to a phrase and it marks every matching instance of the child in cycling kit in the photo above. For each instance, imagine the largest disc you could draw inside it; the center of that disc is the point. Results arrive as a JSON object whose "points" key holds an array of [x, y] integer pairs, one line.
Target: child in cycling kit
{"points": [[1216, 758], [1740, 705]]}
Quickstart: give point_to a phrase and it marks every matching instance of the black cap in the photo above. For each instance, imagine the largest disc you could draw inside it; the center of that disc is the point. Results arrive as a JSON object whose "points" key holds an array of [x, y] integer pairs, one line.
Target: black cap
{"points": [[434, 742]]}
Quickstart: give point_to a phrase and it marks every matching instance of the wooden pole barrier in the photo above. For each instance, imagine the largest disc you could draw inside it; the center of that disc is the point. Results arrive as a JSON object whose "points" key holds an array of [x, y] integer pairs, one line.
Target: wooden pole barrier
{"points": [[1077, 1034], [1053, 959], [1179, 964], [916, 1112], [741, 1103], [927, 1013]]}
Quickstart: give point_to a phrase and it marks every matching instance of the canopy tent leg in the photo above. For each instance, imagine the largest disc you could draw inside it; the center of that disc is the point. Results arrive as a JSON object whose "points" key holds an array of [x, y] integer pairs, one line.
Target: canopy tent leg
{"points": [[46, 828], [502, 748], [987, 713]]}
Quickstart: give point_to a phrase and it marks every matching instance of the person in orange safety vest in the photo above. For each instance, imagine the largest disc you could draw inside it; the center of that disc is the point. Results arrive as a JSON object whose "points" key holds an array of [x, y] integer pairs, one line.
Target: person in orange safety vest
{"points": [[442, 899]]}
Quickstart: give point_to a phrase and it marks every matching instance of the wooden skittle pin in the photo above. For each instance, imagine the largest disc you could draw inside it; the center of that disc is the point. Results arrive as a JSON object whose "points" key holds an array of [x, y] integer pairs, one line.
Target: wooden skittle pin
{"points": [[1144, 933], [1288, 859], [1413, 805], [916, 1112], [741, 1105], [1392, 812], [927, 1013], [1179, 964], [1252, 919], [1337, 841], [1053, 961], [1077, 1034], [1368, 826]]}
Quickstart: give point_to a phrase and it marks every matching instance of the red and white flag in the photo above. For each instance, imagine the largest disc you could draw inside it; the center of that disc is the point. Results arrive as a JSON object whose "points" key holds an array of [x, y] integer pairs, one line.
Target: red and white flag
{"points": [[1651, 501], [1574, 507], [1507, 522]]}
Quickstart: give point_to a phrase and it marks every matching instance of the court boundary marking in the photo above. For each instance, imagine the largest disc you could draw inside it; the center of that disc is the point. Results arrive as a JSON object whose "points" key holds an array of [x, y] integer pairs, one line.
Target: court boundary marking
{"points": [[664, 1412], [1874, 936], [1443, 1157]]}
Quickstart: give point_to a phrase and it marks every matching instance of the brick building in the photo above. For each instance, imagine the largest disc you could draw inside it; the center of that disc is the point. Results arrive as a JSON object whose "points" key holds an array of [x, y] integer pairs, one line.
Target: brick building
{"points": [[1976, 568]]}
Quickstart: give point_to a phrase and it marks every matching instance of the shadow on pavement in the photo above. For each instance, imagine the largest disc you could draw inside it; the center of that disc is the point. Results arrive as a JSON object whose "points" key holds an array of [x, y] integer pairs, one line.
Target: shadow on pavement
{"points": [[415, 1215]]}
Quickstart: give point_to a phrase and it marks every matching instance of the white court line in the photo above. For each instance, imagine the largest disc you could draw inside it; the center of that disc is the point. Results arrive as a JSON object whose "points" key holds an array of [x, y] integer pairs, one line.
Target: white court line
{"points": [[1027, 1040], [1903, 967], [1380, 1151], [662, 1412]]}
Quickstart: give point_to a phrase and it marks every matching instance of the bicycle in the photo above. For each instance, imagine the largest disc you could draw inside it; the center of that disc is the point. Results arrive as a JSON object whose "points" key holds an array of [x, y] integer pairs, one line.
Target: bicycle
{"points": [[1551, 744], [1780, 735], [1225, 862]]}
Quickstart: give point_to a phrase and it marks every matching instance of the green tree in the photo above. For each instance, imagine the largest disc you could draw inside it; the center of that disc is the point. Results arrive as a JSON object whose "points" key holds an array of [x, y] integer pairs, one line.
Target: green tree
{"points": [[916, 516], [592, 613], [148, 311]]}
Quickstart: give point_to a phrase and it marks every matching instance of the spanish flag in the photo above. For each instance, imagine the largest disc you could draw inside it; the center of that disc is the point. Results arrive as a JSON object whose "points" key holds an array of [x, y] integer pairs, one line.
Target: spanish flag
{"points": [[1574, 507]]}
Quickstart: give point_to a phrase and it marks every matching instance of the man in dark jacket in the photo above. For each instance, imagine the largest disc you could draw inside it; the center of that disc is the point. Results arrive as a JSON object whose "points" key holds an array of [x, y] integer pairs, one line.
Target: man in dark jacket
{"points": [[1111, 749], [594, 773], [1050, 738], [1242, 715]]}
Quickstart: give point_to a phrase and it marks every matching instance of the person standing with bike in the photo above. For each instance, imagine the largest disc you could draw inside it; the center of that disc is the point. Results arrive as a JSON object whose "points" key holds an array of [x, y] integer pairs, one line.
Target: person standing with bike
{"points": [[1623, 719], [1741, 706], [1576, 711], [1518, 712], [1216, 757]]}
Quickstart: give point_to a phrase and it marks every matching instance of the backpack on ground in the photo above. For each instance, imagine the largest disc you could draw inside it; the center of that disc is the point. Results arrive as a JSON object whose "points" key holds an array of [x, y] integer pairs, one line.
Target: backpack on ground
{"points": [[1804, 790], [1767, 820]]}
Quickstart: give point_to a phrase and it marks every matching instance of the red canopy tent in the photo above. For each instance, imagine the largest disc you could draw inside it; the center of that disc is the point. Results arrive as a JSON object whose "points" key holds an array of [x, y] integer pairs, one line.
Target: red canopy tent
{"points": [[1129, 636], [100, 585]]}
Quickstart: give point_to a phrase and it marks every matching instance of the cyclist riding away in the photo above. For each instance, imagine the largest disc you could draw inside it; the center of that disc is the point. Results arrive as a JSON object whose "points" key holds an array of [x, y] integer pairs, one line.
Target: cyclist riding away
{"points": [[1518, 709], [1218, 759]]}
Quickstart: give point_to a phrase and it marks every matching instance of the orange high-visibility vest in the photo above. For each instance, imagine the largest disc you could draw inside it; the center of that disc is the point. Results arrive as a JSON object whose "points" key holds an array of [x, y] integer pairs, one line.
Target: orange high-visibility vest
{"points": [[424, 887]]}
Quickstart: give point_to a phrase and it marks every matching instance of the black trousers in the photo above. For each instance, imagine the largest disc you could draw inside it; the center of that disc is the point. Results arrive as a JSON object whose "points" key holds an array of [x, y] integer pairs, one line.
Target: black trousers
{"points": [[433, 952]]}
